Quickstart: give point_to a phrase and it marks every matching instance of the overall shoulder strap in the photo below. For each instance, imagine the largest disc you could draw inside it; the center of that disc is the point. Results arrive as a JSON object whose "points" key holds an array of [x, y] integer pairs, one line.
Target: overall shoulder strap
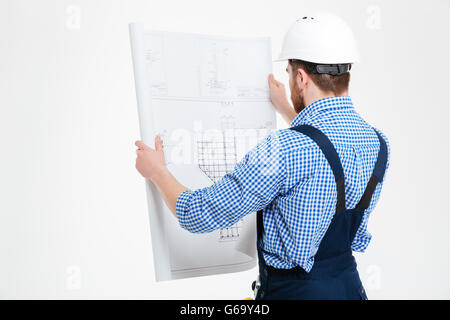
{"points": [[376, 177], [332, 157]]}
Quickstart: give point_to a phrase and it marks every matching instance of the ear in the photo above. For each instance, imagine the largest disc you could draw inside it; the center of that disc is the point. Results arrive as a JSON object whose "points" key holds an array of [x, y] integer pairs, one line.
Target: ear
{"points": [[303, 78]]}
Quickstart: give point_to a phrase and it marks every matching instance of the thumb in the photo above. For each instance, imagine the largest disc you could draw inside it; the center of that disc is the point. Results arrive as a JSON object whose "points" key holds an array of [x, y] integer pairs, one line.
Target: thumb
{"points": [[158, 143]]}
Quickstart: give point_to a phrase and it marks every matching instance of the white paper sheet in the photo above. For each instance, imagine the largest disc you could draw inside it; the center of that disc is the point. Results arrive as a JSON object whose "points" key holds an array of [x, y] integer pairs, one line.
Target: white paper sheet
{"points": [[208, 98]]}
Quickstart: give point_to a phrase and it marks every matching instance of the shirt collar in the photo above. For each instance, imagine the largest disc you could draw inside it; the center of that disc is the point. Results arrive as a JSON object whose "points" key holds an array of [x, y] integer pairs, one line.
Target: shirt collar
{"points": [[320, 105]]}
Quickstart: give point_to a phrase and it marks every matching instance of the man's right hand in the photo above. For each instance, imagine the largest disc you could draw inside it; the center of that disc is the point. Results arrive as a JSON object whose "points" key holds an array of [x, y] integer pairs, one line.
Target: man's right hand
{"points": [[279, 99]]}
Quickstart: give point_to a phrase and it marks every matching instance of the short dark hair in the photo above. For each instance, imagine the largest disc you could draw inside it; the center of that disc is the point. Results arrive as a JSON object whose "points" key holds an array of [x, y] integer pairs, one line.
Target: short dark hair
{"points": [[326, 82]]}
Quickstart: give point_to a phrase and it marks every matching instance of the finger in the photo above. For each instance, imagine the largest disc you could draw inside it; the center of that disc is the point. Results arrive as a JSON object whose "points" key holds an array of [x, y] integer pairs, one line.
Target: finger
{"points": [[142, 145], [278, 84], [158, 143], [271, 79]]}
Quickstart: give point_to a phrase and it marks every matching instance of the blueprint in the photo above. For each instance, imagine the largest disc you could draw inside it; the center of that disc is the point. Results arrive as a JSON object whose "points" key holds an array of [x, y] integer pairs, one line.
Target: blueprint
{"points": [[208, 99]]}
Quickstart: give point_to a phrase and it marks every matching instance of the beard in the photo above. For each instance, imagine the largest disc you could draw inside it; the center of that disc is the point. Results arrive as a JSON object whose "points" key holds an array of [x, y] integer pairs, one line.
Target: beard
{"points": [[297, 98]]}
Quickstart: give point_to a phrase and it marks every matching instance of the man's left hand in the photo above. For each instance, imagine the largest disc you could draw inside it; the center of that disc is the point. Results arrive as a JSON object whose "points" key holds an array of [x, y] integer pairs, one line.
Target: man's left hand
{"points": [[150, 162]]}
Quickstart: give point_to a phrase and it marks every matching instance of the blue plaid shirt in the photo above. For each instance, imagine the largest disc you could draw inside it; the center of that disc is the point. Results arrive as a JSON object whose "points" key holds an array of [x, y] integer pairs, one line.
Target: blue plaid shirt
{"points": [[288, 177]]}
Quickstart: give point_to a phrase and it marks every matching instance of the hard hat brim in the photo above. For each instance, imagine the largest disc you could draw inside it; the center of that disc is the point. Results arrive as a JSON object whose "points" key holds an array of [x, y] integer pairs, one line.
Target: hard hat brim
{"points": [[340, 61]]}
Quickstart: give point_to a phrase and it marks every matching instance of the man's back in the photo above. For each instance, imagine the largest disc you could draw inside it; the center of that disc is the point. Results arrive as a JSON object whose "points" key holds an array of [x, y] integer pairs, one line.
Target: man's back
{"points": [[299, 216]]}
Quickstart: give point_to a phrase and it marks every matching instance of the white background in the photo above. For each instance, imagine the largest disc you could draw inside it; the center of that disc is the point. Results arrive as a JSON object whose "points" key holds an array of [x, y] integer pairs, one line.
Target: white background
{"points": [[73, 215]]}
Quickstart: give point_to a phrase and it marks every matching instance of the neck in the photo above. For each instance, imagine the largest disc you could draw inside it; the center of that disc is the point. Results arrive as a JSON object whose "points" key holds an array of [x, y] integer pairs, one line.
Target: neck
{"points": [[315, 95]]}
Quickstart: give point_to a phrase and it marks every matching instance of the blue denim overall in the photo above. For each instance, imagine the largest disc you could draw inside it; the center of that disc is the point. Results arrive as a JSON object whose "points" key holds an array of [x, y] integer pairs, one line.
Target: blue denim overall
{"points": [[334, 274]]}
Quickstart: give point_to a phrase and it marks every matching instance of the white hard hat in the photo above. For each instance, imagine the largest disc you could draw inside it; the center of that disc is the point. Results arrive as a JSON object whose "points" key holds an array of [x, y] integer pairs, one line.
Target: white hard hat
{"points": [[321, 38]]}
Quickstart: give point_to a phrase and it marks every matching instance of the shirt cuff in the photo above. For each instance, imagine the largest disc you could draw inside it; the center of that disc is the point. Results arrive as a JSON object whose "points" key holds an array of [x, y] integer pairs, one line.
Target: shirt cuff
{"points": [[182, 207]]}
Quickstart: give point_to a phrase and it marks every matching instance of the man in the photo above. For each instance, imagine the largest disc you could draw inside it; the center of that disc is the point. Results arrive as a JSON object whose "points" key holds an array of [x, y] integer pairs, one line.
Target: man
{"points": [[313, 185]]}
